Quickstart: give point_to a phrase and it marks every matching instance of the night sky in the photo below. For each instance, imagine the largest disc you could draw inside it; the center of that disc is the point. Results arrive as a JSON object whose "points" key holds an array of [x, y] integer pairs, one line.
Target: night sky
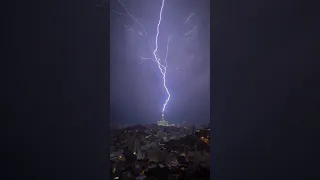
{"points": [[136, 87]]}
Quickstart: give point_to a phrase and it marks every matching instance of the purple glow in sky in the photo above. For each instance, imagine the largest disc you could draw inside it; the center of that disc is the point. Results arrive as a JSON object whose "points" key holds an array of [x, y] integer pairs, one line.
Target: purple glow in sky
{"points": [[162, 41]]}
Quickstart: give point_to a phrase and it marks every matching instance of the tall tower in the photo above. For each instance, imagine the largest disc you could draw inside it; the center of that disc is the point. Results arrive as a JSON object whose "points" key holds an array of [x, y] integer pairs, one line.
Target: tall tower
{"points": [[163, 122]]}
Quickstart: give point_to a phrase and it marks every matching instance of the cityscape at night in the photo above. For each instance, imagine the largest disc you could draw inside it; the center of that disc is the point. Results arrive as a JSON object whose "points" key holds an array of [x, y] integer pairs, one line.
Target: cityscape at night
{"points": [[161, 152], [160, 93]]}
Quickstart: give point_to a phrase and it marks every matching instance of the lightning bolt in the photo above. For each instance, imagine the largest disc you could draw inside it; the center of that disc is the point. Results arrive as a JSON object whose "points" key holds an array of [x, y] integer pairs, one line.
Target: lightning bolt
{"points": [[162, 64], [188, 18], [162, 68], [190, 34], [119, 12], [129, 14]]}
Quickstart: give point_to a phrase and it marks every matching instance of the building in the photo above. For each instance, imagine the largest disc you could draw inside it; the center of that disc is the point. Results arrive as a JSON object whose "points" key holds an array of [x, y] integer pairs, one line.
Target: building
{"points": [[193, 130], [163, 122], [137, 148]]}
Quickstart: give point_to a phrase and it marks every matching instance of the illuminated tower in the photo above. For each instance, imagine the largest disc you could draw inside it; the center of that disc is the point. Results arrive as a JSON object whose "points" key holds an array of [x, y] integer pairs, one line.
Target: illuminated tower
{"points": [[163, 122]]}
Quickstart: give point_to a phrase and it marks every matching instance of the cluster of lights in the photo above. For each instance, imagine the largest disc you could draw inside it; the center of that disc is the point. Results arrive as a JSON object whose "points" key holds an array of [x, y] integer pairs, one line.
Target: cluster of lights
{"points": [[204, 139]]}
